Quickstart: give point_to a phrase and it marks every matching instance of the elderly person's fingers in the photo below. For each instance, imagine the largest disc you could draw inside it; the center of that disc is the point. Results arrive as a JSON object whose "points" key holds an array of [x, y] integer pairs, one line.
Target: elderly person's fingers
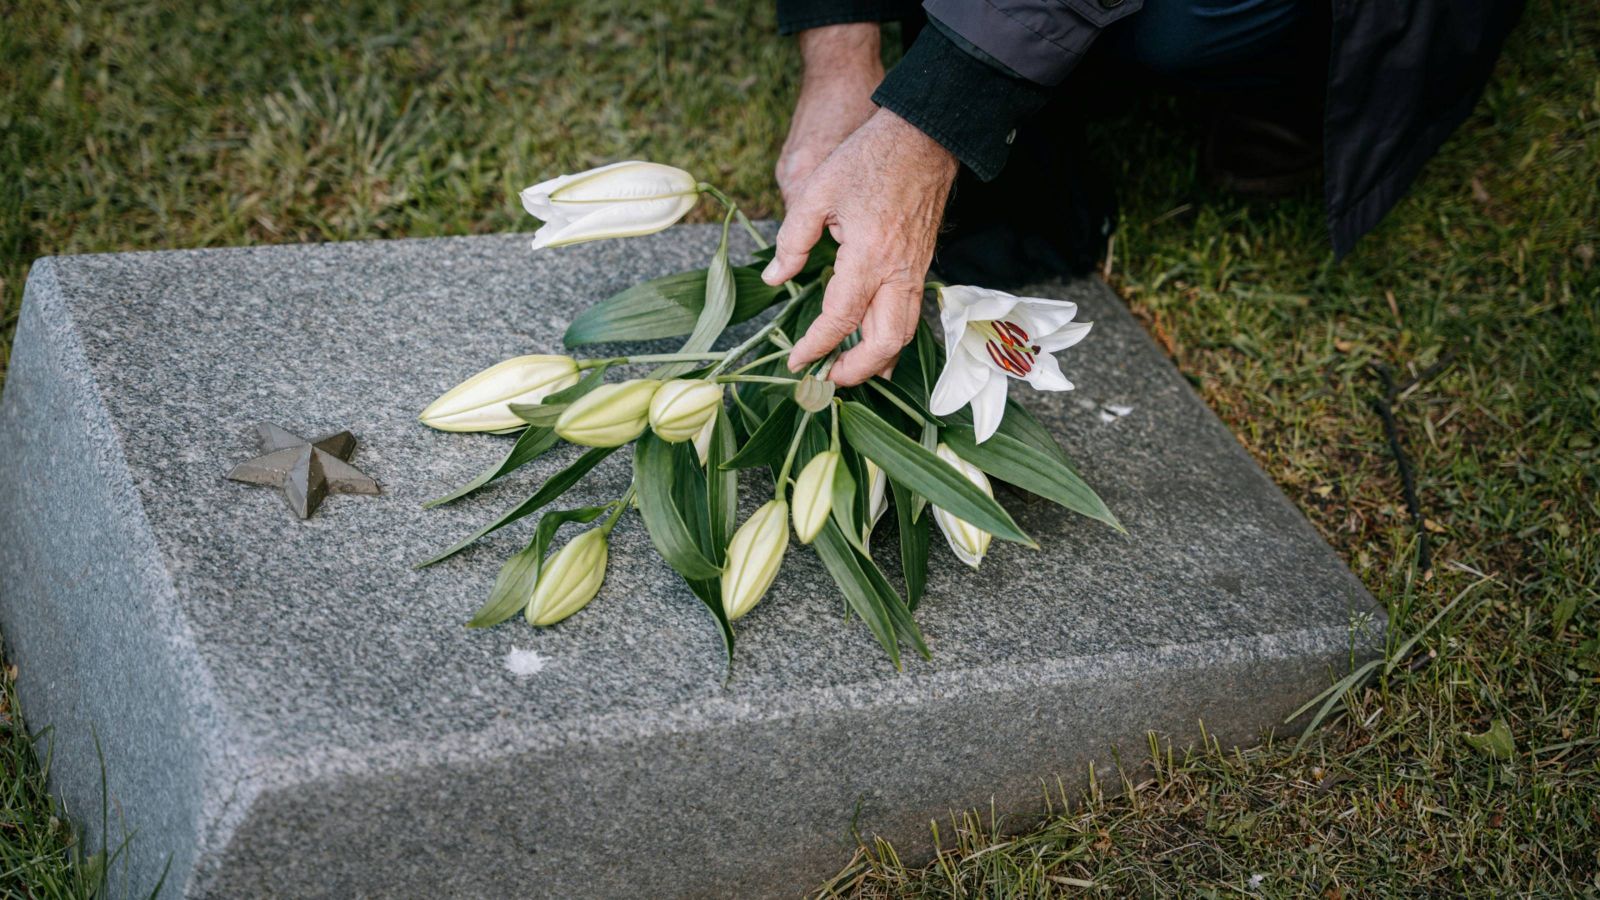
{"points": [[843, 305], [801, 229], [889, 324]]}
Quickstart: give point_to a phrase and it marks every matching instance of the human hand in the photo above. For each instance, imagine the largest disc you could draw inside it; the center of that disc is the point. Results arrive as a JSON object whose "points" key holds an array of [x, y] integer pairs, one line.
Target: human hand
{"points": [[882, 195], [842, 69]]}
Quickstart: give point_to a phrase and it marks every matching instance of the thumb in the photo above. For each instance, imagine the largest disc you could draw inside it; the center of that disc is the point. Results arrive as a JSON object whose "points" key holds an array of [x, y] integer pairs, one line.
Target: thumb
{"points": [[798, 234]]}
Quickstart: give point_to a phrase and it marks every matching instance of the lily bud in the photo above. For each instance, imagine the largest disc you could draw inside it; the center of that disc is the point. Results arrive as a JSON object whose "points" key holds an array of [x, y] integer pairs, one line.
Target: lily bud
{"points": [[813, 495], [570, 579], [754, 555], [620, 200], [967, 541], [682, 407], [877, 493], [610, 415], [702, 440], [483, 402]]}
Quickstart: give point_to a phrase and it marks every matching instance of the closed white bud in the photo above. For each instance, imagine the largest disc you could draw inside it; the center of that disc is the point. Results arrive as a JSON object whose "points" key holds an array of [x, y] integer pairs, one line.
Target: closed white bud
{"points": [[754, 555], [702, 440], [483, 402], [683, 406], [877, 498], [610, 415], [570, 579], [620, 200], [967, 541], [813, 495]]}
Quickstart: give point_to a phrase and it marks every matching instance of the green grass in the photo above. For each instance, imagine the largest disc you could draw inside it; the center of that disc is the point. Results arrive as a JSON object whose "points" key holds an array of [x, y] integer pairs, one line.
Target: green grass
{"points": [[143, 125]]}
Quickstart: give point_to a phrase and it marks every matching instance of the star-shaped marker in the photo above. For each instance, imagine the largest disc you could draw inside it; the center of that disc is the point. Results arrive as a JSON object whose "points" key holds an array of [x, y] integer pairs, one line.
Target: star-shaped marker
{"points": [[307, 471]]}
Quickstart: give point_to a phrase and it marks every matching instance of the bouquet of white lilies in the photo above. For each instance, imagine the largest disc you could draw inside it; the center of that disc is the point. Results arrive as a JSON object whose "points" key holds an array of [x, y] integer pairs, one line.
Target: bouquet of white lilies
{"points": [[838, 456]]}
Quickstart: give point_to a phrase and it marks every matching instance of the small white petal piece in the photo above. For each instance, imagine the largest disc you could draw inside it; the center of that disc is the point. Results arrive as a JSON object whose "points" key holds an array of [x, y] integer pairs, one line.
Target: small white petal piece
{"points": [[525, 662]]}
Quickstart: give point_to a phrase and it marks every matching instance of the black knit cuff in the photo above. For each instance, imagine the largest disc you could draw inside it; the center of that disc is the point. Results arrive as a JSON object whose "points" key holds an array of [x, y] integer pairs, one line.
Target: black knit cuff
{"points": [[967, 105], [798, 15]]}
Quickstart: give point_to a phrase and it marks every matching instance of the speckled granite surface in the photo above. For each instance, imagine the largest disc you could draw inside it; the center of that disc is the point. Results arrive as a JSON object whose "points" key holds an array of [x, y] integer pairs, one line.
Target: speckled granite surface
{"points": [[289, 708]]}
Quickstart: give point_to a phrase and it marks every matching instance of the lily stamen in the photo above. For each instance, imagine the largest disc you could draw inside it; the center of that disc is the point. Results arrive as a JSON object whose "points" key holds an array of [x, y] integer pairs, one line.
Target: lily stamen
{"points": [[1009, 346]]}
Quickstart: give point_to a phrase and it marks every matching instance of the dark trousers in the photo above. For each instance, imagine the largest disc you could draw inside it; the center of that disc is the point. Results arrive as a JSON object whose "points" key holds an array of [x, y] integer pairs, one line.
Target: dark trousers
{"points": [[1052, 209]]}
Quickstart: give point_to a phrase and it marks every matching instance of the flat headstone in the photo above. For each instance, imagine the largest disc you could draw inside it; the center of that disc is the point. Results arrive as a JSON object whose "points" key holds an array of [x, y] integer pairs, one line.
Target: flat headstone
{"points": [[287, 707]]}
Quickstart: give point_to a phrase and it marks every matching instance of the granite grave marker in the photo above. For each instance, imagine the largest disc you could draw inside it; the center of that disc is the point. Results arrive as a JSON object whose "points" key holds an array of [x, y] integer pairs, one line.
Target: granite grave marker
{"points": [[288, 708]]}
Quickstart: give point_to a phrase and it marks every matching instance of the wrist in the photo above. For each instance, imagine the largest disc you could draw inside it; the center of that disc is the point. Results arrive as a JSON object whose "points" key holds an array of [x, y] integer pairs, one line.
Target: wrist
{"points": [[848, 52], [913, 139]]}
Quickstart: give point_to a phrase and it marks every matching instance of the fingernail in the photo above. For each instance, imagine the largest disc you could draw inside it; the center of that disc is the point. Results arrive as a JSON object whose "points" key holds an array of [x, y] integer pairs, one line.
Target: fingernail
{"points": [[771, 269]]}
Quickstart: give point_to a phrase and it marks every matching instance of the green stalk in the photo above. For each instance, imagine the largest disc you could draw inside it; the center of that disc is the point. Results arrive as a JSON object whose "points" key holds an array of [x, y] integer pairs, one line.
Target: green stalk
{"points": [[777, 354], [616, 513], [754, 379], [904, 407], [749, 226], [648, 358], [788, 459]]}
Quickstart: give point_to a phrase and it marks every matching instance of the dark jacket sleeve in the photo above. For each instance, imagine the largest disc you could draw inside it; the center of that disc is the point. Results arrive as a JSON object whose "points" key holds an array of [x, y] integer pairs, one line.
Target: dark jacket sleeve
{"points": [[983, 65]]}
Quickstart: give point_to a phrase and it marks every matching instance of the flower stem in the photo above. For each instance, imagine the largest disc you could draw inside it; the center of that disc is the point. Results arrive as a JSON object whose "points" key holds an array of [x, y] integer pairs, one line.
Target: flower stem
{"points": [[755, 379], [788, 460], [649, 358], [904, 406], [749, 226], [777, 354], [738, 352], [620, 504]]}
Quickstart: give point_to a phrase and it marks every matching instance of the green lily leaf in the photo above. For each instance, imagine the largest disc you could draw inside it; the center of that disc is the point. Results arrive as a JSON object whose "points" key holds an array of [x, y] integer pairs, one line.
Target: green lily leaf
{"points": [[530, 445], [846, 513], [1030, 468], [914, 534], [722, 486], [714, 314], [770, 441], [514, 586], [666, 307], [905, 461], [653, 472], [554, 487]]}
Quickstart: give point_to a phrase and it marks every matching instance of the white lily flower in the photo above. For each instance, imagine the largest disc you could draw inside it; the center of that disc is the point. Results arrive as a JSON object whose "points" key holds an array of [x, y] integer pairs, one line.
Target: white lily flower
{"points": [[623, 199], [877, 498], [992, 336], [967, 541]]}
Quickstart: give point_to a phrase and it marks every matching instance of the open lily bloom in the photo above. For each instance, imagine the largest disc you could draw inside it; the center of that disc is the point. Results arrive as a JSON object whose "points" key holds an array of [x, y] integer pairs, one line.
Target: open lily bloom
{"points": [[624, 199], [990, 337]]}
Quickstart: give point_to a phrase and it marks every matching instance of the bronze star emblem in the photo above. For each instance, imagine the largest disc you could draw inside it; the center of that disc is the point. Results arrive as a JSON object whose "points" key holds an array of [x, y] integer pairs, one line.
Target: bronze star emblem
{"points": [[307, 471]]}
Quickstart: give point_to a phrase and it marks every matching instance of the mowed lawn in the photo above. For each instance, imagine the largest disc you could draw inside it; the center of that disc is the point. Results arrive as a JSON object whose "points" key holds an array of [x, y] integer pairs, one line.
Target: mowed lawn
{"points": [[1471, 765]]}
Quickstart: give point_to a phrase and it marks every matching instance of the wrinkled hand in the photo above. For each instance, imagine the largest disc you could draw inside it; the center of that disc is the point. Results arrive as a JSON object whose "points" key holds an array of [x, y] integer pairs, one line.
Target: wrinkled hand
{"points": [[842, 69], [882, 195]]}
